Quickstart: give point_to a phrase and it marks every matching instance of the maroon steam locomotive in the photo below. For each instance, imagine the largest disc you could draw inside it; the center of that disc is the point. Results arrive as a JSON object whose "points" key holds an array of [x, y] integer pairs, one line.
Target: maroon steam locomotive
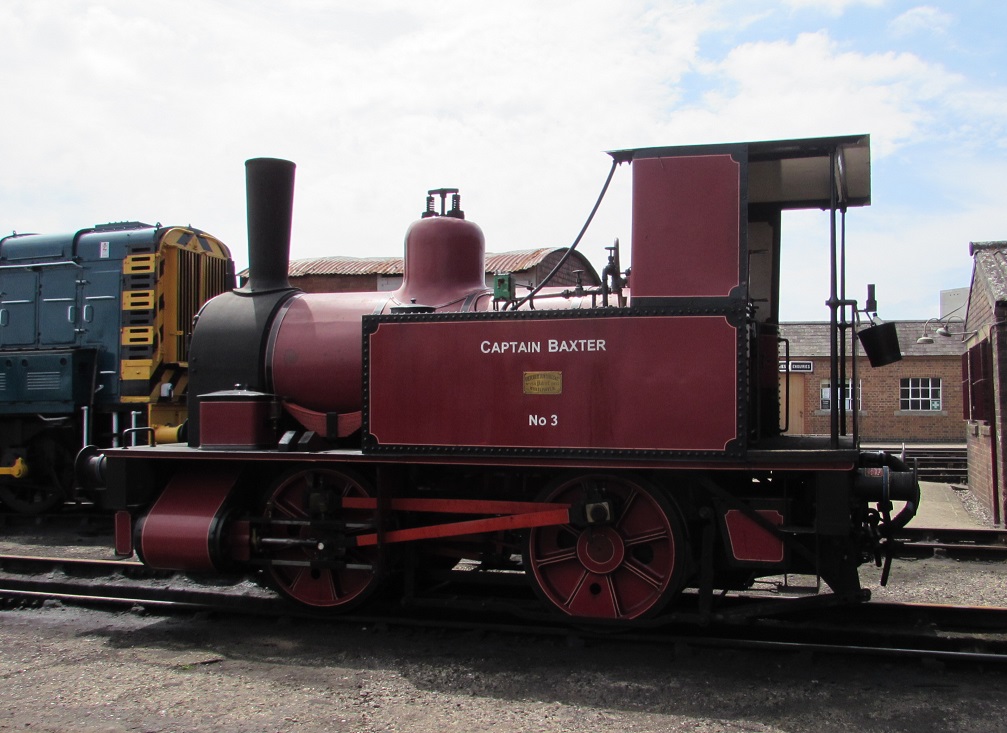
{"points": [[617, 448]]}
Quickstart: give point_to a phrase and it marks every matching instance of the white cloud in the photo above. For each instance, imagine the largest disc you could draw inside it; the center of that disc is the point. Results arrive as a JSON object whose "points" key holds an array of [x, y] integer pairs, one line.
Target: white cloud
{"points": [[921, 19], [832, 7], [811, 86]]}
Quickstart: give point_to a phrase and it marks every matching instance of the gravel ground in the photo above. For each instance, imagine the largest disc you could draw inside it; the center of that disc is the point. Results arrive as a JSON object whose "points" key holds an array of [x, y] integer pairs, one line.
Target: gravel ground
{"points": [[67, 669]]}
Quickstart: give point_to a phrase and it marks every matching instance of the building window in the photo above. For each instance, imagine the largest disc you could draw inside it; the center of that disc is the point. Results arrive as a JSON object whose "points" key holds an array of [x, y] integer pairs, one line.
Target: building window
{"points": [[844, 393], [920, 394]]}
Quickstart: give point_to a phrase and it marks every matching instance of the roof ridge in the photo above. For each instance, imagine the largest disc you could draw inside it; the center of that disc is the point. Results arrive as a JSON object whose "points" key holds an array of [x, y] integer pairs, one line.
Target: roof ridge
{"points": [[973, 246]]}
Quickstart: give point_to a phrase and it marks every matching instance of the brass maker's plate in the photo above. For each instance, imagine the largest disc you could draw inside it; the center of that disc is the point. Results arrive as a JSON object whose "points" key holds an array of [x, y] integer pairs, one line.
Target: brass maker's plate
{"points": [[543, 382]]}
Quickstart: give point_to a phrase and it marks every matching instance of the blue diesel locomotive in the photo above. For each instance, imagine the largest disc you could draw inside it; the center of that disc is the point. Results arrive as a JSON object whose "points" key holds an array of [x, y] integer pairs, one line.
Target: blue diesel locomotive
{"points": [[94, 332]]}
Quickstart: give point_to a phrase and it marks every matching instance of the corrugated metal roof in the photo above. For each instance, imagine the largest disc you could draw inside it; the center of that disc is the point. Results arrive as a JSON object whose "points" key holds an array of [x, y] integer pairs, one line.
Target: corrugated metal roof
{"points": [[811, 339], [991, 265], [518, 260], [515, 261], [345, 266]]}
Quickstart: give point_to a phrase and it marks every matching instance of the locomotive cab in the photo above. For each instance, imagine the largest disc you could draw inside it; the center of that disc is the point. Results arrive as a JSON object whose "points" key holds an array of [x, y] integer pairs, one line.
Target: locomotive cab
{"points": [[717, 210]]}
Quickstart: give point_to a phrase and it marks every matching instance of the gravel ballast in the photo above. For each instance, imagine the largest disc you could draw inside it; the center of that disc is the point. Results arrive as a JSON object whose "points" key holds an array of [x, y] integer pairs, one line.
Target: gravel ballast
{"points": [[69, 669]]}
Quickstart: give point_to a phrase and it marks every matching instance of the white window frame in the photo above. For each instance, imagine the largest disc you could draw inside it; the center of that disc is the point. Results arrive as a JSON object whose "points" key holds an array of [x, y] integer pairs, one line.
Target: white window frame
{"points": [[916, 394]]}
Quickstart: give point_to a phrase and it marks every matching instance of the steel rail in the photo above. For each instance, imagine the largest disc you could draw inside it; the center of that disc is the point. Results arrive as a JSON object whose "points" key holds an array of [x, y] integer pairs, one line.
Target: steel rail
{"points": [[975, 535], [979, 543]]}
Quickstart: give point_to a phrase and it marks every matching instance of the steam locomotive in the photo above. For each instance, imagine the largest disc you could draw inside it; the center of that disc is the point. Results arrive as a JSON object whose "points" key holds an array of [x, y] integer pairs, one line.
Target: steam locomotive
{"points": [[94, 330], [618, 448]]}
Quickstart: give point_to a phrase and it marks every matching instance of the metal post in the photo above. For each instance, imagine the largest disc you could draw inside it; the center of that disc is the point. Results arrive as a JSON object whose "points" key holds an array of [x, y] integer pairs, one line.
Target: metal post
{"points": [[833, 309], [85, 432]]}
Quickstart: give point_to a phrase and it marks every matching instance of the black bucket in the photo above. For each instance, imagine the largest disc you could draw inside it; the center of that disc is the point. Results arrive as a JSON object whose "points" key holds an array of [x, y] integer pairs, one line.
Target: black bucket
{"points": [[881, 344]]}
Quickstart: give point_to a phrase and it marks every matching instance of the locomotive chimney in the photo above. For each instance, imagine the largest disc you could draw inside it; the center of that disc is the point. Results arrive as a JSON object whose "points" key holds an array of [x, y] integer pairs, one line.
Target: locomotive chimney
{"points": [[269, 186]]}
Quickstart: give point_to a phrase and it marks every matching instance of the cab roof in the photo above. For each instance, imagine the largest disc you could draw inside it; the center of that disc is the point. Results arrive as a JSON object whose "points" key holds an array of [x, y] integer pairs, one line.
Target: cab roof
{"points": [[791, 174]]}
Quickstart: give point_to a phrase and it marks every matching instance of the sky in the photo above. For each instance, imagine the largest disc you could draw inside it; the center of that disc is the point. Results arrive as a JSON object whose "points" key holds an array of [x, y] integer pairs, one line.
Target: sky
{"points": [[122, 110]]}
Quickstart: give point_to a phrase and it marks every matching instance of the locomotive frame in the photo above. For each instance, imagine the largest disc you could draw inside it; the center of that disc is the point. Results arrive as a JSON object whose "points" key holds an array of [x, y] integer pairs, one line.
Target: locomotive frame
{"points": [[338, 440]]}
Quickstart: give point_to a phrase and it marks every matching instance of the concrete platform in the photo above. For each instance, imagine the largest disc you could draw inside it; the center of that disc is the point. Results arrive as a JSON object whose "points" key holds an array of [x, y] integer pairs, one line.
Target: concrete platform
{"points": [[941, 506]]}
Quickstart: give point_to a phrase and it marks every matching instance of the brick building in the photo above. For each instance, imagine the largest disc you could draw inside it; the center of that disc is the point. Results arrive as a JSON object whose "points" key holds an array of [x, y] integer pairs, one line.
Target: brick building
{"points": [[916, 400], [984, 375], [365, 274]]}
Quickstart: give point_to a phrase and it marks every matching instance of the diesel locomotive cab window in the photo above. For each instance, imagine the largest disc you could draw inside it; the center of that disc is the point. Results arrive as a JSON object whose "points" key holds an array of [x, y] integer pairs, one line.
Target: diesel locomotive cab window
{"points": [[920, 394], [844, 391]]}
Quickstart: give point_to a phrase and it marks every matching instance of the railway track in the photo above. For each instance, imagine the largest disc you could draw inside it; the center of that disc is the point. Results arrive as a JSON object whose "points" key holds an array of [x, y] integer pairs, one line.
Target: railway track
{"points": [[962, 544], [951, 634], [116, 583]]}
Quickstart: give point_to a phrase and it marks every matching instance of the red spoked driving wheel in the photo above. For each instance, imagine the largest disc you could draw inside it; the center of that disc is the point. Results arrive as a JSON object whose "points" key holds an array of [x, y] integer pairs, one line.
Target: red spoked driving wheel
{"points": [[626, 568], [305, 571]]}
